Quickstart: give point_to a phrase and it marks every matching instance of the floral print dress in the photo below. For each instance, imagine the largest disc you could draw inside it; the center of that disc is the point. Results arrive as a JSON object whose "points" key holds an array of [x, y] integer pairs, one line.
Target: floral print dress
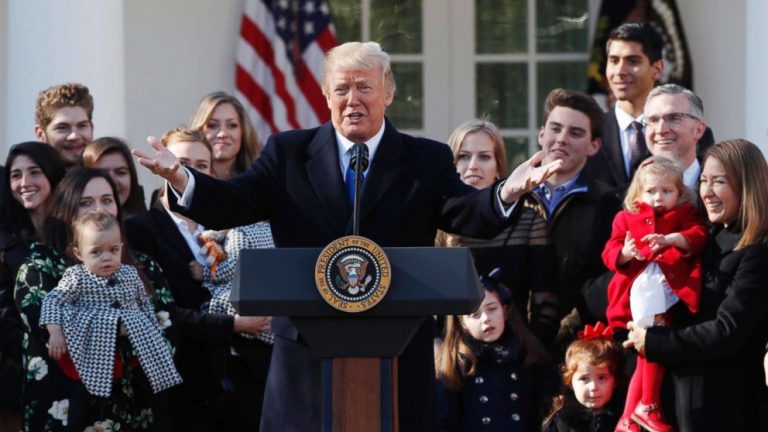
{"points": [[46, 387]]}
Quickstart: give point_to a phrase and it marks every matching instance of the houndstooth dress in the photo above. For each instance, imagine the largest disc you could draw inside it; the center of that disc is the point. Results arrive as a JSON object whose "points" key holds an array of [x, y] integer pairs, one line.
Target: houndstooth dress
{"points": [[255, 236], [91, 309]]}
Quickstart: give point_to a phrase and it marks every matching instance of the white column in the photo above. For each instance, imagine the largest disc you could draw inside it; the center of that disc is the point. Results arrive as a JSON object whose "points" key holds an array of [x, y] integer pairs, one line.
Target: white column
{"points": [[55, 42], [756, 66]]}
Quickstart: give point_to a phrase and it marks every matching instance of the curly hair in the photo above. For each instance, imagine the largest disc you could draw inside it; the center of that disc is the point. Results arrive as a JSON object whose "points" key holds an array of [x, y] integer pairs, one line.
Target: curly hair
{"points": [[54, 98]]}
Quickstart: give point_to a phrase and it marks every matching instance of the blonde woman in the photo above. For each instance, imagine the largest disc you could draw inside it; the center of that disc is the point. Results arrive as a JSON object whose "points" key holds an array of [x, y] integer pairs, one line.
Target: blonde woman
{"points": [[523, 251]]}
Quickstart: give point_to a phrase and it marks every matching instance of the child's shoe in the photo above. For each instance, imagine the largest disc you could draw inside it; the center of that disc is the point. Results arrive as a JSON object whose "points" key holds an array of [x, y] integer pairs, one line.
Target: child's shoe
{"points": [[626, 424], [649, 417]]}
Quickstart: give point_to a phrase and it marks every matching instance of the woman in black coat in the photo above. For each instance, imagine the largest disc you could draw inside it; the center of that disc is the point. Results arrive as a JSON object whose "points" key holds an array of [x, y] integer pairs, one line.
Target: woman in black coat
{"points": [[33, 170], [715, 356]]}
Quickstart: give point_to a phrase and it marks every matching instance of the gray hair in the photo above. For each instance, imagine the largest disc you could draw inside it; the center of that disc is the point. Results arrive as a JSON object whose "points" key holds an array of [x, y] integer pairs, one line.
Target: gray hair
{"points": [[697, 106], [358, 56]]}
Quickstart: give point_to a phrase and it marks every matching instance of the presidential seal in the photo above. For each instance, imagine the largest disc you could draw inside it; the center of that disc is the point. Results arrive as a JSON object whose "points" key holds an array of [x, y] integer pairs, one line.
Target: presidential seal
{"points": [[353, 274]]}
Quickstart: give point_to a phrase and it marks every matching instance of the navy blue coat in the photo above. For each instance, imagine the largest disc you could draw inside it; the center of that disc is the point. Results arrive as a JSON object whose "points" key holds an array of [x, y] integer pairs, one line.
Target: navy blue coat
{"points": [[411, 190], [501, 396]]}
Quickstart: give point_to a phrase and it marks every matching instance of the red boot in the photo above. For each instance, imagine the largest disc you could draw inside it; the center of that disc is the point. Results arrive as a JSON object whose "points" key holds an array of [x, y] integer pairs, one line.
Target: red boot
{"points": [[649, 417], [626, 424]]}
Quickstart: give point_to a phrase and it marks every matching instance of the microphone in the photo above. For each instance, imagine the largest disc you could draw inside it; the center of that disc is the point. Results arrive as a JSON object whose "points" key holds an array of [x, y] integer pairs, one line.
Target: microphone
{"points": [[359, 163], [359, 152]]}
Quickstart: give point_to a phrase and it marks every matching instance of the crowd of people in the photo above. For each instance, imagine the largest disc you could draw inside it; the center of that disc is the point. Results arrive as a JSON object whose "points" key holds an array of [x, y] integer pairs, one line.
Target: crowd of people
{"points": [[624, 265]]}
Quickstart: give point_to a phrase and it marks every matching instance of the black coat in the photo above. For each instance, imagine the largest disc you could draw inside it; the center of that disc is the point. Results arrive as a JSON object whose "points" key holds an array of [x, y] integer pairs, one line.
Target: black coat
{"points": [[201, 335], [715, 357], [411, 190], [580, 419], [501, 395], [579, 228], [13, 253]]}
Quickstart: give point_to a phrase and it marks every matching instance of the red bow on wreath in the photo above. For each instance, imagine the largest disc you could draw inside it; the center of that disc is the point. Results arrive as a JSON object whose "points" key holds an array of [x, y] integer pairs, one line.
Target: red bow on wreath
{"points": [[599, 331]]}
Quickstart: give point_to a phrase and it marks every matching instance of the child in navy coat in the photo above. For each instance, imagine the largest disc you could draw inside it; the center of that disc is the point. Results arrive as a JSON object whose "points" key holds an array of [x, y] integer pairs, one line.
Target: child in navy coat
{"points": [[492, 372]]}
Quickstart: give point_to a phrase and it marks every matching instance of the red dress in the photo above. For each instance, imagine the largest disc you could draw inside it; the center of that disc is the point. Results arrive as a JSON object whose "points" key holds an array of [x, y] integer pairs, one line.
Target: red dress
{"points": [[682, 270]]}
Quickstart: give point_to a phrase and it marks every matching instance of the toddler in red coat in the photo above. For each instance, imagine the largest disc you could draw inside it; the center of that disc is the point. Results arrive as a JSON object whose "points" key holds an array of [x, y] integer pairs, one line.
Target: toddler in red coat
{"points": [[653, 252]]}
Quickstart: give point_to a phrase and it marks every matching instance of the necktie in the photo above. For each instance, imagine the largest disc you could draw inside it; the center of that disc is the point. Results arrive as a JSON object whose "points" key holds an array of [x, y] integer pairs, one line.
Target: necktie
{"points": [[637, 147], [349, 179]]}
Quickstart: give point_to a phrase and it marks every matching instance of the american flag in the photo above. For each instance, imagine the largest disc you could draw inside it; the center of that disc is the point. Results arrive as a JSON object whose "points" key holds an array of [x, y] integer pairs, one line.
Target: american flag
{"points": [[280, 55]]}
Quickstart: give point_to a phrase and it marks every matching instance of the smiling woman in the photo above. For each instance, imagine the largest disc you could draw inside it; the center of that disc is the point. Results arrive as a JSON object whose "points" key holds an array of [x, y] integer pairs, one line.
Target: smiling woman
{"points": [[32, 171], [715, 355], [229, 131], [113, 155]]}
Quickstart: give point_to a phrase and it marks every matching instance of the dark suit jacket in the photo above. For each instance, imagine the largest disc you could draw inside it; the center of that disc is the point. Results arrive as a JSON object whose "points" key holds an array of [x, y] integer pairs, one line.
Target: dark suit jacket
{"points": [[155, 234], [715, 356], [608, 164], [411, 190]]}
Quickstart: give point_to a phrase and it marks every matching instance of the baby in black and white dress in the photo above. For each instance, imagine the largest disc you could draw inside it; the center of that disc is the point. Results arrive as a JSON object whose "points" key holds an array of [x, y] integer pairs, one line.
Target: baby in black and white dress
{"points": [[99, 299]]}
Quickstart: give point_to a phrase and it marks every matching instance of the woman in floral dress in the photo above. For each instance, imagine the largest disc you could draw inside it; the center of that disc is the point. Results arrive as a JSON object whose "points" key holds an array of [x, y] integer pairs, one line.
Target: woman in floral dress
{"points": [[46, 387]]}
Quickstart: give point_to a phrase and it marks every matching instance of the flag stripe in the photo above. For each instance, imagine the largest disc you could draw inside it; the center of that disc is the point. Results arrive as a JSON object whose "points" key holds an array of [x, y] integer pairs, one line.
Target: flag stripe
{"points": [[263, 48], [279, 68]]}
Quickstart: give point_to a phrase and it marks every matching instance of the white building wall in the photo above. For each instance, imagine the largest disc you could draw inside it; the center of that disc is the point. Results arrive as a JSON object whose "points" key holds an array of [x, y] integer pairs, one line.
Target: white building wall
{"points": [[55, 42], [756, 83], [148, 63]]}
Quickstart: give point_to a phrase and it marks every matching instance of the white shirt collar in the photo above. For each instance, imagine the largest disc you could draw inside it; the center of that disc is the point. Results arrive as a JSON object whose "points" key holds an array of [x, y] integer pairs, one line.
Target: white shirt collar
{"points": [[691, 174], [625, 119], [344, 145], [189, 238]]}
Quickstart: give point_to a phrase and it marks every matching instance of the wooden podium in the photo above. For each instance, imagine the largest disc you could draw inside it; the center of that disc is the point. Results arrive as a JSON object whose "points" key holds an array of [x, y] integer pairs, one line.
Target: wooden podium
{"points": [[360, 371]]}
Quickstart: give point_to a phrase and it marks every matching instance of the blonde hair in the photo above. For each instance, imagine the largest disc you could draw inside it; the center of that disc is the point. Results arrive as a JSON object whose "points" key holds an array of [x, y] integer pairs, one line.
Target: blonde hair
{"points": [[359, 56], [658, 166], [183, 134], [250, 146], [747, 173], [599, 352], [480, 126]]}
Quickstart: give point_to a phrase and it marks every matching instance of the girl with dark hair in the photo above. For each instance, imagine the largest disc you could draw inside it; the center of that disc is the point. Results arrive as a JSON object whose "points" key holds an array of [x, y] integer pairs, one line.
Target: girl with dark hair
{"points": [[32, 172], [492, 371], [47, 389], [113, 155]]}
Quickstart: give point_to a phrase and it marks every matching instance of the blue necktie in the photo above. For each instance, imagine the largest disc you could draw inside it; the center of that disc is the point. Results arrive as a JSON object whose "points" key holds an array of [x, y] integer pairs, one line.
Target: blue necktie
{"points": [[349, 179]]}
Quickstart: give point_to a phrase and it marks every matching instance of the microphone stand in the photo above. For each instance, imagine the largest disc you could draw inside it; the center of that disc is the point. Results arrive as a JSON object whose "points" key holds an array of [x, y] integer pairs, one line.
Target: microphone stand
{"points": [[359, 162]]}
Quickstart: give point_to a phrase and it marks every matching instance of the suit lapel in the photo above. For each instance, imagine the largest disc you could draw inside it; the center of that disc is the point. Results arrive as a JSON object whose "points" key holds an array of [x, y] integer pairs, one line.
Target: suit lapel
{"points": [[324, 172], [170, 231], [612, 149], [386, 168]]}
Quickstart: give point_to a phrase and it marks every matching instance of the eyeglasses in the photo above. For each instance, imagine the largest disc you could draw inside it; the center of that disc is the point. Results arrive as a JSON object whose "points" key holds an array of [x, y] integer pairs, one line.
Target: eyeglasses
{"points": [[673, 119]]}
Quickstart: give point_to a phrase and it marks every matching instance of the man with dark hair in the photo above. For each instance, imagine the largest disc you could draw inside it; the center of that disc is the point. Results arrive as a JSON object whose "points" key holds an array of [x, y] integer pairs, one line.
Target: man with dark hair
{"points": [[579, 209], [64, 119], [634, 52]]}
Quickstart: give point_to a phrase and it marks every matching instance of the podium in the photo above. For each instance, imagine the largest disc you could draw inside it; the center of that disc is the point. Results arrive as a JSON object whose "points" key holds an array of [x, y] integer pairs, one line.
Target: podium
{"points": [[360, 373]]}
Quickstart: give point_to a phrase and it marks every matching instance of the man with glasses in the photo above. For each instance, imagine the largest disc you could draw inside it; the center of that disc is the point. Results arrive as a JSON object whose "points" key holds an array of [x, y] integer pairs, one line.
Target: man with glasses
{"points": [[674, 125]]}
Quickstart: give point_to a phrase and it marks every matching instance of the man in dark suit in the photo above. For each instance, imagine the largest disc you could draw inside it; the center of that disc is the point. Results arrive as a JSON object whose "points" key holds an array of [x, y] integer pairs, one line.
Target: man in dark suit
{"points": [[634, 52], [411, 189]]}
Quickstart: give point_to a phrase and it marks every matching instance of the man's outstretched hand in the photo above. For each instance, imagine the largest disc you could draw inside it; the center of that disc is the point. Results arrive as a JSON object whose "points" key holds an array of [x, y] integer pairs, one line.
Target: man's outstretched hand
{"points": [[527, 176], [162, 163]]}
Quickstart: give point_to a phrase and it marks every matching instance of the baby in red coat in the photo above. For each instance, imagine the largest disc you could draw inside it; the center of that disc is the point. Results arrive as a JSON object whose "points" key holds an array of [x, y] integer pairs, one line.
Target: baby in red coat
{"points": [[653, 252]]}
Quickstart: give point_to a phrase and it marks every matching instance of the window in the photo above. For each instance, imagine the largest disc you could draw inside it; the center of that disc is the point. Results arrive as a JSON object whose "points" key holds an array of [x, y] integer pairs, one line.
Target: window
{"points": [[458, 59]]}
